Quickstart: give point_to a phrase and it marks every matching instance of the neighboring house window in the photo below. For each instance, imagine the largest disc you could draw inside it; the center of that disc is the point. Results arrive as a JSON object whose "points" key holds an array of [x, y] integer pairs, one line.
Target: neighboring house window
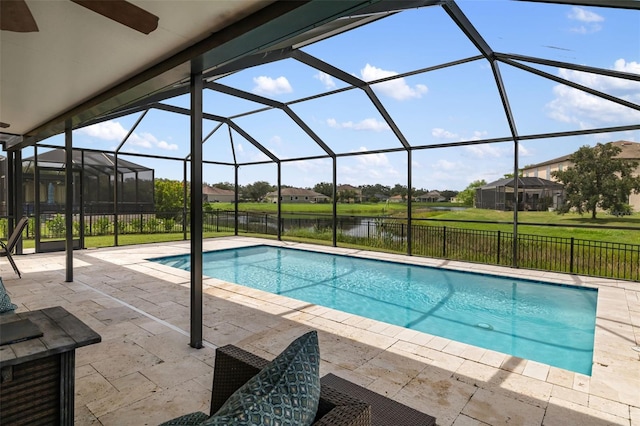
{"points": [[535, 173], [561, 166], [548, 172]]}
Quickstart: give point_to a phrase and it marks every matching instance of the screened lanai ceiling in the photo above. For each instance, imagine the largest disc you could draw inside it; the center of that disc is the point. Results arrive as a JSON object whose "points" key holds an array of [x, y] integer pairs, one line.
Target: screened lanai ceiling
{"points": [[384, 88]]}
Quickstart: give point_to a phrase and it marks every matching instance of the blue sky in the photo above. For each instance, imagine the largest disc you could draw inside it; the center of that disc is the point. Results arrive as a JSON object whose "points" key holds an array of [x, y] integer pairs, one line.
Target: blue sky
{"points": [[449, 105]]}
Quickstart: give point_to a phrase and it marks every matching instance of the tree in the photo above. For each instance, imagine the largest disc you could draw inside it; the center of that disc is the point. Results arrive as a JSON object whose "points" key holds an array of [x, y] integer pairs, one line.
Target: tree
{"points": [[598, 180], [401, 190], [510, 175], [256, 191], [324, 188], [346, 195], [371, 192], [469, 193], [225, 185], [169, 196]]}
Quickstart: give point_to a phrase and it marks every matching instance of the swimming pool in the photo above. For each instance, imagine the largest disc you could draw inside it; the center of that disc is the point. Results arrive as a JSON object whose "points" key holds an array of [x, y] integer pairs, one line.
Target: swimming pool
{"points": [[550, 323]]}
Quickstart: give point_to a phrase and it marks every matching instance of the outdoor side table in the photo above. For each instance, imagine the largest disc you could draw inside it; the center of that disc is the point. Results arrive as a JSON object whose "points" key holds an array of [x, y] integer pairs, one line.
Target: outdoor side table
{"points": [[37, 375]]}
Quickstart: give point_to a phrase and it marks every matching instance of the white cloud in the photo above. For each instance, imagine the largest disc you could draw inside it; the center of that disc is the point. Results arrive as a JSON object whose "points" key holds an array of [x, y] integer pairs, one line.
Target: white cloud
{"points": [[366, 124], [447, 165], [268, 86], [313, 168], [583, 15], [107, 130], [477, 135], [485, 151], [372, 160], [113, 131], [397, 89], [439, 133], [167, 146], [575, 106], [325, 79], [523, 151], [276, 140], [369, 169], [497, 150], [591, 21]]}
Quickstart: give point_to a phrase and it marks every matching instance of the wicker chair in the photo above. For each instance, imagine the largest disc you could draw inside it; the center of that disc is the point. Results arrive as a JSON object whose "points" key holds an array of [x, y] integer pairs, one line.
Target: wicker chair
{"points": [[234, 367]]}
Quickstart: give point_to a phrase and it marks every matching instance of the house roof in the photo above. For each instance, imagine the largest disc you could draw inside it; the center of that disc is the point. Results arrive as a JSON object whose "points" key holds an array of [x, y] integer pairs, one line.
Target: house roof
{"points": [[630, 151], [297, 192], [523, 182], [92, 159], [348, 187], [213, 190]]}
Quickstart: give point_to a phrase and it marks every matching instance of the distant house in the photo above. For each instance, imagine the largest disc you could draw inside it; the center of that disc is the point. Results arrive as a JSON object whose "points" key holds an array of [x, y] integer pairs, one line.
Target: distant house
{"points": [[381, 197], [397, 199], [629, 151], [212, 194], [533, 194], [297, 195], [356, 193], [430, 197]]}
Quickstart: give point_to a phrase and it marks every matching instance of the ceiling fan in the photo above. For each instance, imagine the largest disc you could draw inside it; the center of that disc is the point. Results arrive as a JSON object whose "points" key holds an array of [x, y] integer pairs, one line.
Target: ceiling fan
{"points": [[15, 15]]}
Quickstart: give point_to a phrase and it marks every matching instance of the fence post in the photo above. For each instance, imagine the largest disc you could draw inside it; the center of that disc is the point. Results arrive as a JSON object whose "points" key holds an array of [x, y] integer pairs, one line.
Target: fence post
{"points": [[444, 241], [498, 255], [266, 224], [571, 257]]}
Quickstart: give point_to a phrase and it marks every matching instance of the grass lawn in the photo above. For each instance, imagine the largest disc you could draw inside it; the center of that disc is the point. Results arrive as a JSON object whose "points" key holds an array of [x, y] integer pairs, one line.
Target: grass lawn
{"points": [[555, 225], [364, 209], [546, 223]]}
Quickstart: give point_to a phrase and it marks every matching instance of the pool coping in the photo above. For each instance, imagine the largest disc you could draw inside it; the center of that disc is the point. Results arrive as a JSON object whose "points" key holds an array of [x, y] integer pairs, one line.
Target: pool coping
{"points": [[165, 260], [611, 390]]}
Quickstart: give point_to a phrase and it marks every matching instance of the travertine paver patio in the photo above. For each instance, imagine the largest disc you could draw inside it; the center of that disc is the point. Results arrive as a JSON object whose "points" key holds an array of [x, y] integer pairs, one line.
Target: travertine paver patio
{"points": [[144, 371]]}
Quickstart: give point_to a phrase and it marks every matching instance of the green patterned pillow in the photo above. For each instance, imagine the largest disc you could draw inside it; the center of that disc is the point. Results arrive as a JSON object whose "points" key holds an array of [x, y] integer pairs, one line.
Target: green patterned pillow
{"points": [[285, 392], [5, 300]]}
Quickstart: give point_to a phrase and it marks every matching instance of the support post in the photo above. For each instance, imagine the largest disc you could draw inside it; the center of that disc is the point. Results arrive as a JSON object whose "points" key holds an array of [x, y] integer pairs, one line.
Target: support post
{"points": [[409, 202], [195, 86], [68, 178], [334, 214], [516, 177], [184, 199], [279, 205], [12, 188], [115, 198], [236, 199]]}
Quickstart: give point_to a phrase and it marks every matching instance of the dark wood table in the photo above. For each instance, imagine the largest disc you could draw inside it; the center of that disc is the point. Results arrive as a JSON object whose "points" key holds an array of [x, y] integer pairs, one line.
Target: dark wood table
{"points": [[38, 375]]}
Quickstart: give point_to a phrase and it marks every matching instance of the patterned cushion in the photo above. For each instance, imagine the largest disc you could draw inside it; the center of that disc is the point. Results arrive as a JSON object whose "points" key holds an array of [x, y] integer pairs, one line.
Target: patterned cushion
{"points": [[285, 392], [5, 300], [191, 419]]}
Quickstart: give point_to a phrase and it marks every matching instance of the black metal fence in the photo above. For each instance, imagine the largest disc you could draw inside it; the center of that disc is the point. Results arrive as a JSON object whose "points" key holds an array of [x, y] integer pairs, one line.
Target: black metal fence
{"points": [[558, 254]]}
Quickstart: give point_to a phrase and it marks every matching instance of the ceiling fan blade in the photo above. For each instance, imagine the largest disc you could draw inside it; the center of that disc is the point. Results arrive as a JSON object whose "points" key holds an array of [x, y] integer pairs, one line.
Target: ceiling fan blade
{"points": [[123, 12], [15, 16]]}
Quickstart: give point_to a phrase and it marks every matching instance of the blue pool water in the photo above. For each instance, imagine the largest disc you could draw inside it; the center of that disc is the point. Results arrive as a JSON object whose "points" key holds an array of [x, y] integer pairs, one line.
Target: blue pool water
{"points": [[552, 324]]}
